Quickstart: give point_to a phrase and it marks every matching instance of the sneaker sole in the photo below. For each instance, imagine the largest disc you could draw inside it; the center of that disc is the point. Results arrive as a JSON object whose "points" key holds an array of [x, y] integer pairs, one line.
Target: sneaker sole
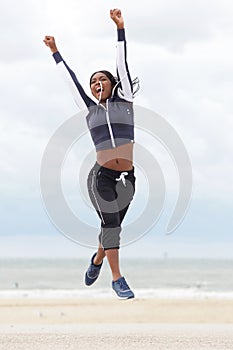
{"points": [[122, 298]]}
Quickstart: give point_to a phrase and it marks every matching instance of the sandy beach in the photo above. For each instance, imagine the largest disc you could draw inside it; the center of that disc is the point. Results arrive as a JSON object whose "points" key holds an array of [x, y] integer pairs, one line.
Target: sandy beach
{"points": [[29, 323]]}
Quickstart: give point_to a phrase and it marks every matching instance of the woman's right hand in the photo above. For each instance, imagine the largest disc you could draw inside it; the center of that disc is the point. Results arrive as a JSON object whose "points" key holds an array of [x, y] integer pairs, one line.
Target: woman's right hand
{"points": [[50, 42]]}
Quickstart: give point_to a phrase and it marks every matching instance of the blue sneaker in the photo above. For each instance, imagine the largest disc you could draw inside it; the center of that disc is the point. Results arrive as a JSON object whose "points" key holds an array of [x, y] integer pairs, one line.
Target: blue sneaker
{"points": [[92, 272], [122, 289]]}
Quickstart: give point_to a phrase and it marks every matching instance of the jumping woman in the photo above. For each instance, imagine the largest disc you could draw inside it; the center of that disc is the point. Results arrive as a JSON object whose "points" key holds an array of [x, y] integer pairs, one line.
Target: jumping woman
{"points": [[111, 181]]}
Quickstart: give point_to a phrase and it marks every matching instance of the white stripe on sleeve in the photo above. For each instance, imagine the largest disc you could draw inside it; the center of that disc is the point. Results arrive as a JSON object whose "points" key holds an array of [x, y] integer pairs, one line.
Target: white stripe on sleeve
{"points": [[126, 90], [69, 81]]}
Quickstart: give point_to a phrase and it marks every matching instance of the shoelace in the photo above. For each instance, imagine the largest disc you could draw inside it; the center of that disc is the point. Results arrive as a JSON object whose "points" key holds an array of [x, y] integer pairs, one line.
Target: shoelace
{"points": [[93, 270], [122, 177], [124, 285]]}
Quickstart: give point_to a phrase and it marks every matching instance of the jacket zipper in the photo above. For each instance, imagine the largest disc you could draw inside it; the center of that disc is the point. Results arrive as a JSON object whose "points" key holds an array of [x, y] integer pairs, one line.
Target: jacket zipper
{"points": [[109, 125]]}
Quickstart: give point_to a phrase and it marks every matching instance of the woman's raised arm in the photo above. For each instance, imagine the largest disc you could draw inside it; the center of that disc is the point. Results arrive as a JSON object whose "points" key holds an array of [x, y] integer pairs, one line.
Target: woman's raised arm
{"points": [[125, 84], [79, 95]]}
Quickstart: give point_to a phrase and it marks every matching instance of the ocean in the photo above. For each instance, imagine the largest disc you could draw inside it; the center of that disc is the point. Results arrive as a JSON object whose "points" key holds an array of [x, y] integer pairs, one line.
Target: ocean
{"points": [[152, 278]]}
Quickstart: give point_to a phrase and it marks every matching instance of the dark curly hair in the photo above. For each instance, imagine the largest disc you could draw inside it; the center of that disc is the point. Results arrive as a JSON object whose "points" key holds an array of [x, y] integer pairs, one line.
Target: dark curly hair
{"points": [[108, 74]]}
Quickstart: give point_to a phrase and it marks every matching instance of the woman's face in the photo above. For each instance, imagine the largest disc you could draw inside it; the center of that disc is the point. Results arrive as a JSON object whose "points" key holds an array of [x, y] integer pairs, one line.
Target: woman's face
{"points": [[98, 80]]}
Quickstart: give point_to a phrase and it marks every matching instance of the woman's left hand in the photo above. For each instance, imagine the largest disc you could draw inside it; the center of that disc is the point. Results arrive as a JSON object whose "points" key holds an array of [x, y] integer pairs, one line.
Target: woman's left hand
{"points": [[116, 16]]}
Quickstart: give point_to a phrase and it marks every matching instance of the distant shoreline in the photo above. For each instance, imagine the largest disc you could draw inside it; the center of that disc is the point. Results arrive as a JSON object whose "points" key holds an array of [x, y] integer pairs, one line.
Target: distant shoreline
{"points": [[106, 293]]}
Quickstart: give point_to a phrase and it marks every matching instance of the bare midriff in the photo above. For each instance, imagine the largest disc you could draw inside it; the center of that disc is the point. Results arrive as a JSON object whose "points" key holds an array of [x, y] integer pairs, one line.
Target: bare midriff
{"points": [[119, 158]]}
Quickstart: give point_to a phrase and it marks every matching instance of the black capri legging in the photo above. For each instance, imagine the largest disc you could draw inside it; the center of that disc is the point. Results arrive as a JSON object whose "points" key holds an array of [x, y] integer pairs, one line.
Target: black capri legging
{"points": [[111, 192]]}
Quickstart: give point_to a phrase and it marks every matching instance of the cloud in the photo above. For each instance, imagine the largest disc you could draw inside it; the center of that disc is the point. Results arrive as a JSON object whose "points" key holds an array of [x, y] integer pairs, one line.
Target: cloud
{"points": [[173, 25], [192, 90], [21, 23], [167, 24]]}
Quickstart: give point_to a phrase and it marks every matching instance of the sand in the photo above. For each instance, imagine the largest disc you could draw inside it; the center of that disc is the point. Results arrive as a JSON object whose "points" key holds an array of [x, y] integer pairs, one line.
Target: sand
{"points": [[115, 324]]}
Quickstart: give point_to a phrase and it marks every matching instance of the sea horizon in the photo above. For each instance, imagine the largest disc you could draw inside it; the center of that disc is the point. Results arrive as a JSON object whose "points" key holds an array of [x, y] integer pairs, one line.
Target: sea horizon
{"points": [[176, 278]]}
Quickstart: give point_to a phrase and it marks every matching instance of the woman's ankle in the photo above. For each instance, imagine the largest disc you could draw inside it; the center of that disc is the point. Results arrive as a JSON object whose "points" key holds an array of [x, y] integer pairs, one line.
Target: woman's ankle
{"points": [[116, 277], [98, 260]]}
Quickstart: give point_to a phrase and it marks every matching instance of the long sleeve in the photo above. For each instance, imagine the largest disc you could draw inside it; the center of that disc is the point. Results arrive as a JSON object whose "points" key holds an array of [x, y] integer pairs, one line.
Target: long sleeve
{"points": [[81, 99], [123, 74]]}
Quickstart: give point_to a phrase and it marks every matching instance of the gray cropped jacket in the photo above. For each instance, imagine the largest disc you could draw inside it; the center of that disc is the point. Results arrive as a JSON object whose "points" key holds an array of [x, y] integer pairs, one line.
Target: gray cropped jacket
{"points": [[111, 125]]}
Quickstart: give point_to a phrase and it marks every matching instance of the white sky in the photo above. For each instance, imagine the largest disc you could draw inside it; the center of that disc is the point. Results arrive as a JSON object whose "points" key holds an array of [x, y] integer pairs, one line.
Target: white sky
{"points": [[182, 52]]}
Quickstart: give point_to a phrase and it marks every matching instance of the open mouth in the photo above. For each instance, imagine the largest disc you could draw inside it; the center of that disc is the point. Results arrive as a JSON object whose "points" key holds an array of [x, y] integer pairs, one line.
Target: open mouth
{"points": [[98, 90]]}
